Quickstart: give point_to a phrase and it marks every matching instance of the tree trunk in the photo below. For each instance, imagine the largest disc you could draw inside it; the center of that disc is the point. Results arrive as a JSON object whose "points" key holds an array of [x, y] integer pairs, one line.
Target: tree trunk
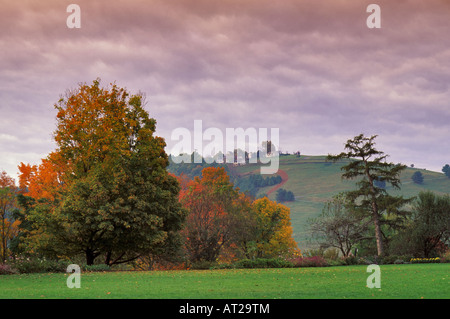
{"points": [[376, 221], [4, 241], [375, 216], [90, 256], [108, 258]]}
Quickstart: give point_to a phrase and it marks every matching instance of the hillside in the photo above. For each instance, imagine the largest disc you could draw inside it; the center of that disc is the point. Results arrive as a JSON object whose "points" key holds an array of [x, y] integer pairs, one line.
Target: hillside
{"points": [[313, 181]]}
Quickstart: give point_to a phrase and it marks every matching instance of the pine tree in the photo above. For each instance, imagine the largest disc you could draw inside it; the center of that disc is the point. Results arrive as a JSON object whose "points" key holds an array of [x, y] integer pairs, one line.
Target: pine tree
{"points": [[370, 165]]}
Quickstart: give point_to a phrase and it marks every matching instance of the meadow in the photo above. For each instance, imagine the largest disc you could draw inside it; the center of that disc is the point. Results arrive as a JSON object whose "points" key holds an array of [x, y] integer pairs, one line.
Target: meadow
{"points": [[405, 281]]}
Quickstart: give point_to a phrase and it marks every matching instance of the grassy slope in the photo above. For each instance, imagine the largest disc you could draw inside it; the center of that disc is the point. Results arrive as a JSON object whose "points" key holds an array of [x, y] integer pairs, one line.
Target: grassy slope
{"points": [[313, 182], [397, 281]]}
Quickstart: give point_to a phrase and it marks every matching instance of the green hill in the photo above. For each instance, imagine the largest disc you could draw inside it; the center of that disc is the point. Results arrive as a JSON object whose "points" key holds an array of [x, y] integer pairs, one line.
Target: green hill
{"points": [[313, 181]]}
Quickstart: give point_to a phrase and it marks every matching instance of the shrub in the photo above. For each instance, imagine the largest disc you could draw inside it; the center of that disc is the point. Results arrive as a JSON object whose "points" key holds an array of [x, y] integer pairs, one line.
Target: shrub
{"points": [[347, 261], [314, 252], [314, 261], [39, 265], [6, 269], [331, 254], [257, 263], [425, 260], [262, 263], [284, 196], [445, 257], [396, 259], [350, 260], [417, 177], [99, 267], [202, 265], [387, 260]]}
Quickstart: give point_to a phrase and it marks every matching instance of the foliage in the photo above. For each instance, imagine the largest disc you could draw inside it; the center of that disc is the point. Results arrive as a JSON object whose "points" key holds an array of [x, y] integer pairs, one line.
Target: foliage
{"points": [[260, 263], [313, 261], [368, 164], [9, 227], [249, 185], [446, 170], [274, 230], [172, 258], [428, 232], [284, 196], [97, 267], [6, 269], [385, 260], [339, 226], [25, 204], [331, 254], [445, 256], [28, 265], [225, 225], [425, 260], [218, 215], [351, 260], [105, 190], [254, 182], [202, 265], [193, 169], [417, 177], [395, 259], [148, 263]]}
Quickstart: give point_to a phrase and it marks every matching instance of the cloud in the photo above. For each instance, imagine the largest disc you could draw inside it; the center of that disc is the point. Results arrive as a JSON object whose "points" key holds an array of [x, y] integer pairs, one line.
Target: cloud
{"points": [[311, 68]]}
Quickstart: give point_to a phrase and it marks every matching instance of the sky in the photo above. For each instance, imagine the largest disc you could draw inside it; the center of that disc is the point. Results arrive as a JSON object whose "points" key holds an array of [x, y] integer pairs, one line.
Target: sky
{"points": [[313, 69]]}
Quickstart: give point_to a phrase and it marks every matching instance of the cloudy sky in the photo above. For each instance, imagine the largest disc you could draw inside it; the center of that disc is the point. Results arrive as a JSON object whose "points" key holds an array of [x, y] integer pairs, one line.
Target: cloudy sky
{"points": [[311, 68]]}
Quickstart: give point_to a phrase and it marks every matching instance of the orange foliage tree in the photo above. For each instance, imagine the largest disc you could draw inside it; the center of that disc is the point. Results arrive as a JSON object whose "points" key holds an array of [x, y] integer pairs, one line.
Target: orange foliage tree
{"points": [[43, 181], [224, 224], [215, 215], [8, 226], [274, 235], [105, 190]]}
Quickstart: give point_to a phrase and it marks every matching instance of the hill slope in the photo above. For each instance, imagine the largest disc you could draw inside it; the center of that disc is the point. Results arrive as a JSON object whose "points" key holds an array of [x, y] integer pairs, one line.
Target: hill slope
{"points": [[314, 181]]}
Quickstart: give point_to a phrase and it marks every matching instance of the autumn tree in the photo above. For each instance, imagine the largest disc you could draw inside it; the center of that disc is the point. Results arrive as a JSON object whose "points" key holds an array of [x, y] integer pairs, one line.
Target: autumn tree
{"points": [[40, 188], [8, 225], [216, 215], [367, 164], [274, 230], [43, 181], [105, 188]]}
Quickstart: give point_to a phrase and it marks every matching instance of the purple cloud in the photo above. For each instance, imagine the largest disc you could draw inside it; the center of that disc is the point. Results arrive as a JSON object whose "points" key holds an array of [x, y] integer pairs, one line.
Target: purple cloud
{"points": [[311, 68]]}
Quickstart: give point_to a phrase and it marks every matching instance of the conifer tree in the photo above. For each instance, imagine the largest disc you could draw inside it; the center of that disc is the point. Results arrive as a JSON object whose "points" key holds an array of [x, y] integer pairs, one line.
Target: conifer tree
{"points": [[369, 165]]}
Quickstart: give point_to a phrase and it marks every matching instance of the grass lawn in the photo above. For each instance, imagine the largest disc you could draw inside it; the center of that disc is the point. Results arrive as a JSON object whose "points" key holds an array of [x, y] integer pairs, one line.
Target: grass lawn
{"points": [[428, 281]]}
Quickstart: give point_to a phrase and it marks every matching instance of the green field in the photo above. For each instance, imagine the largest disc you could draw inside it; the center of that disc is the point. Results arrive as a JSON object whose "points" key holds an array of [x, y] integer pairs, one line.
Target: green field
{"points": [[429, 281], [314, 181]]}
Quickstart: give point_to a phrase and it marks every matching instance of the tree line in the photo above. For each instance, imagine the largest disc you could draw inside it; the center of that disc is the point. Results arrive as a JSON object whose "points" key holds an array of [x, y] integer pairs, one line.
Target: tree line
{"points": [[105, 196], [250, 184], [253, 183]]}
